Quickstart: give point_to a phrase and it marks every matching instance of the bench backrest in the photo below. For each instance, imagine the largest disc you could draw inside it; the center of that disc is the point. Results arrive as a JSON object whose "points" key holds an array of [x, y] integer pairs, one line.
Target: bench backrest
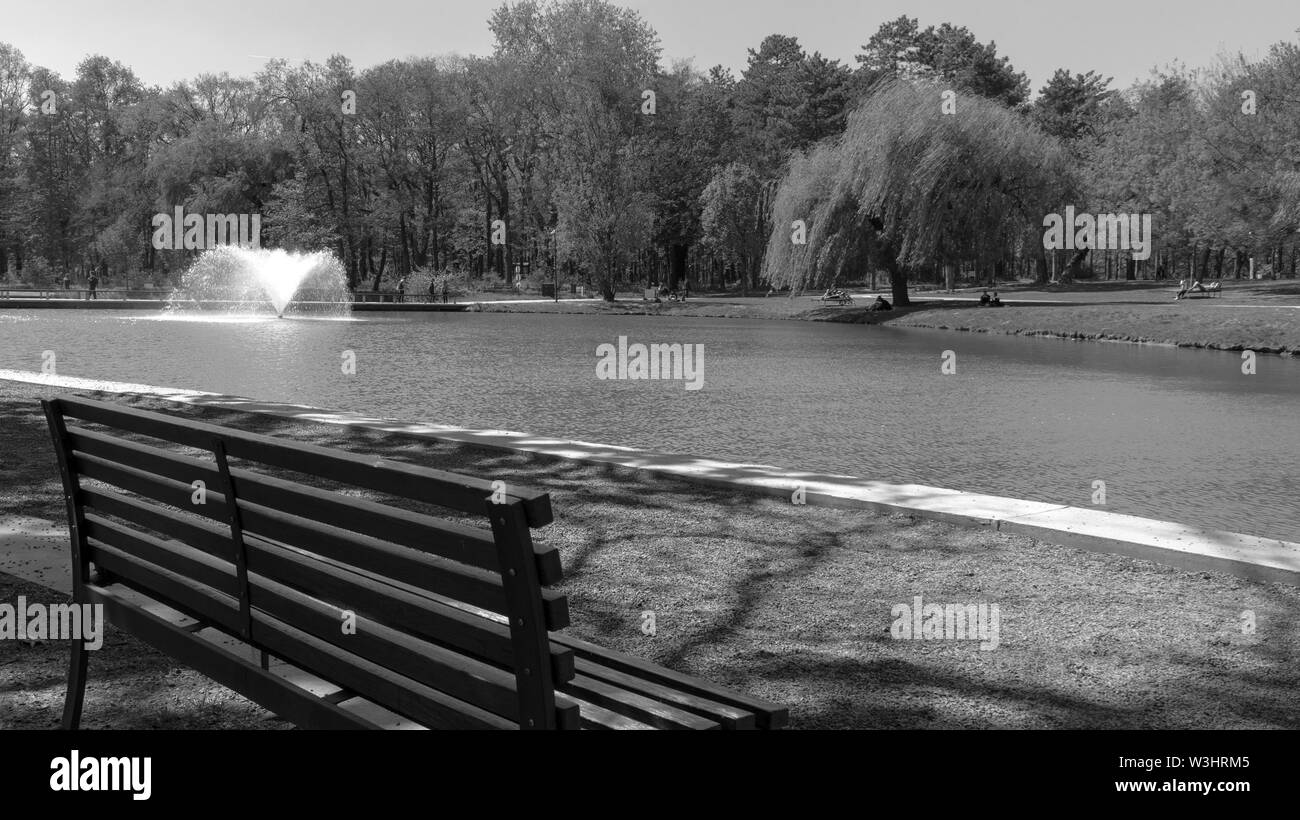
{"points": [[450, 619]]}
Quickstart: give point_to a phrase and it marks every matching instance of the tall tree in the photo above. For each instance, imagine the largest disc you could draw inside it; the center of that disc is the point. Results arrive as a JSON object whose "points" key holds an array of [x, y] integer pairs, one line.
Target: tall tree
{"points": [[914, 187], [1073, 106], [901, 49], [591, 63]]}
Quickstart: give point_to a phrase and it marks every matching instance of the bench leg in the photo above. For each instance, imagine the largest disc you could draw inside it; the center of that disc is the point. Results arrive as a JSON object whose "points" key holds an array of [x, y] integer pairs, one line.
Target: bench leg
{"points": [[76, 685]]}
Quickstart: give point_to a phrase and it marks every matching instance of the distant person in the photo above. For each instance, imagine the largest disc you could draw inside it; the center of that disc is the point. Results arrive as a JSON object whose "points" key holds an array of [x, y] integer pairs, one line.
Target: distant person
{"points": [[445, 283], [92, 282], [67, 282], [995, 301], [985, 298], [1182, 289], [433, 290], [401, 289], [880, 304]]}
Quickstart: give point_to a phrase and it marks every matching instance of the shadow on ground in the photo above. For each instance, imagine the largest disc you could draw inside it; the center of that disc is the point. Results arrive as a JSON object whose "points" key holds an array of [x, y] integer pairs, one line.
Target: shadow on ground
{"points": [[791, 603]]}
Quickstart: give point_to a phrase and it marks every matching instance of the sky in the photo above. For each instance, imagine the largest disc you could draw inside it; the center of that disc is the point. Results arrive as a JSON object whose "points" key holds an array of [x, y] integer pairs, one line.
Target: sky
{"points": [[164, 42]]}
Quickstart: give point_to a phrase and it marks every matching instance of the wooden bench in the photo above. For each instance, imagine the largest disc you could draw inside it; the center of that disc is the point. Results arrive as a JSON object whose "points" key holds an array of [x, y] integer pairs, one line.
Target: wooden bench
{"points": [[839, 298], [455, 623]]}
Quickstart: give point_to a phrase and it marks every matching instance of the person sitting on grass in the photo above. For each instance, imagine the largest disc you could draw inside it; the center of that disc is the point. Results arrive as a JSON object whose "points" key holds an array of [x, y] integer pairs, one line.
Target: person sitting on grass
{"points": [[880, 304], [984, 298], [995, 301]]}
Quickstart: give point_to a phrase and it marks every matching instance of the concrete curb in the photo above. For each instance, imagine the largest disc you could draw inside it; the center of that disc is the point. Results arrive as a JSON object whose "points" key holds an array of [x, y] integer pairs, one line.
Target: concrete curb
{"points": [[1190, 548], [161, 304]]}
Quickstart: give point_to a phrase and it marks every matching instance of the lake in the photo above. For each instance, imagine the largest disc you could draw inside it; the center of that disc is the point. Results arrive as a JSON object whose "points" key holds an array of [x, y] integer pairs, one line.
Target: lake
{"points": [[1175, 434]]}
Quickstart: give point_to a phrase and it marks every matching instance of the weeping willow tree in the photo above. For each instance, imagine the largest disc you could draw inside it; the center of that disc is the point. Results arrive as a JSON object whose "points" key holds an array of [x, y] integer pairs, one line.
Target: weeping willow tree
{"points": [[907, 186]]}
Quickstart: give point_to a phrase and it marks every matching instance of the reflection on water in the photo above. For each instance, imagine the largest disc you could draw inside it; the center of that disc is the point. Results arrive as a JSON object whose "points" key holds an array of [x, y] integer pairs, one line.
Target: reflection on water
{"points": [[216, 317], [1175, 434]]}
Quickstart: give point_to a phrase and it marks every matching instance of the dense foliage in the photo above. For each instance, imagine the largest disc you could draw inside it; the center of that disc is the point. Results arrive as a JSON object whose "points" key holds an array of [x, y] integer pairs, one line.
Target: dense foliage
{"points": [[572, 152]]}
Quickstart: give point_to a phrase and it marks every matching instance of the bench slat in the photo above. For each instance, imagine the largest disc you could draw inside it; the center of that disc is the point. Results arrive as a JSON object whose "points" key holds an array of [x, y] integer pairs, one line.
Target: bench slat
{"points": [[598, 717], [449, 539], [263, 688], [394, 692], [435, 574], [461, 677], [408, 698], [769, 715], [191, 530], [485, 639], [489, 640], [729, 717], [174, 556], [177, 591], [163, 490], [395, 478], [638, 707]]}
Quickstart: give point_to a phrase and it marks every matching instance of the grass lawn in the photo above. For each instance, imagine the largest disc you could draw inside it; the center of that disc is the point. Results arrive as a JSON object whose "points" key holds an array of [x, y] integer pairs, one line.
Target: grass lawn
{"points": [[790, 603], [1260, 316], [1208, 323]]}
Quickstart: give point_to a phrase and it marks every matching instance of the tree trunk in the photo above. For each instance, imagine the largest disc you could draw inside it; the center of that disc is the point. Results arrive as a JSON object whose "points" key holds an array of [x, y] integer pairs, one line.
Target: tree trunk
{"points": [[897, 283]]}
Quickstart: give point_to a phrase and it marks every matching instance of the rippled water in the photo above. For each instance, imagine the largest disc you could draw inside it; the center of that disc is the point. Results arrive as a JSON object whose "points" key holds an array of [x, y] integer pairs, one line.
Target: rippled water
{"points": [[1175, 434]]}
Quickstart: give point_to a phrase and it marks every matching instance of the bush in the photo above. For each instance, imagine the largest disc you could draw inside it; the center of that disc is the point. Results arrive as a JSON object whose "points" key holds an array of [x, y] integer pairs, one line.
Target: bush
{"points": [[39, 273], [535, 279], [419, 283], [490, 281]]}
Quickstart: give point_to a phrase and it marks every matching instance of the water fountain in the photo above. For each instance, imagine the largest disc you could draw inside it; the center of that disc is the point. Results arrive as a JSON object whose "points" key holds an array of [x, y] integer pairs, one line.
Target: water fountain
{"points": [[251, 280]]}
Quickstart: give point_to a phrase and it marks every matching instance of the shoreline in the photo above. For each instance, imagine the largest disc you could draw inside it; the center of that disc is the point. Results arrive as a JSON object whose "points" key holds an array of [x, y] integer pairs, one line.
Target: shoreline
{"points": [[1182, 546], [1188, 327], [1077, 336], [1244, 318]]}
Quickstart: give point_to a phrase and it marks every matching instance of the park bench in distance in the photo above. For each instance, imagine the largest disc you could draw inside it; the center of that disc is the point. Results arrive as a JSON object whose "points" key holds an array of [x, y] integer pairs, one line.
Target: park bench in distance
{"points": [[455, 626]]}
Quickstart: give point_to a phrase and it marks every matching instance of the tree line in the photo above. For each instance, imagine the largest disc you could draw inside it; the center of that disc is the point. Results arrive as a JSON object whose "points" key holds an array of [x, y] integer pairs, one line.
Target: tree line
{"points": [[571, 152]]}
